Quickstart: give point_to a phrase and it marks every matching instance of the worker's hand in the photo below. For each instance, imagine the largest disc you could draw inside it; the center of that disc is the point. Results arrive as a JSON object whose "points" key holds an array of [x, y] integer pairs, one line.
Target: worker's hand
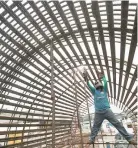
{"points": [[100, 75], [85, 75]]}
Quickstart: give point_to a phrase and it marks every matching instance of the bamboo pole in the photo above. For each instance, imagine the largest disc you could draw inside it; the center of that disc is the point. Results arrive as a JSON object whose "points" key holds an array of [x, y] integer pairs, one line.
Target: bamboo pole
{"points": [[77, 108], [52, 96]]}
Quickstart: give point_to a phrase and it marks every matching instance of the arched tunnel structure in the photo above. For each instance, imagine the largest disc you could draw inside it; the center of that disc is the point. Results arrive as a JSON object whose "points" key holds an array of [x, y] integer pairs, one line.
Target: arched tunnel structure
{"points": [[42, 46]]}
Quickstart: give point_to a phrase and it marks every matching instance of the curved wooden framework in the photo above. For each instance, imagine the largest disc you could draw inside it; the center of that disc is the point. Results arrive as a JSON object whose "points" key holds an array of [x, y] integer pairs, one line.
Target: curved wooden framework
{"points": [[89, 34]]}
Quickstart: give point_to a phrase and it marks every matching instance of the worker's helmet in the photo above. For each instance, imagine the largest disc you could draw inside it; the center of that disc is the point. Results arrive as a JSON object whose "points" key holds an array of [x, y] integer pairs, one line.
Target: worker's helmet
{"points": [[98, 84]]}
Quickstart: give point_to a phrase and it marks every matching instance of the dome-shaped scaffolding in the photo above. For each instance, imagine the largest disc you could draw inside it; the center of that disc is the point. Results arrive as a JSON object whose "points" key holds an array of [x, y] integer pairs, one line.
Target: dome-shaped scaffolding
{"points": [[42, 45]]}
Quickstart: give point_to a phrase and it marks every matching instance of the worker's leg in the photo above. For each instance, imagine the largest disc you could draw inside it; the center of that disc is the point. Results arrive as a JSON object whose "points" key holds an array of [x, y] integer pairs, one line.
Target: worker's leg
{"points": [[98, 119], [118, 125]]}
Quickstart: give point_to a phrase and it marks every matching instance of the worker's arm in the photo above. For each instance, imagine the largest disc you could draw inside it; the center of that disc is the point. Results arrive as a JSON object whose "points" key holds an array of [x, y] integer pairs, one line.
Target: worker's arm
{"points": [[85, 75], [103, 78], [105, 83], [92, 88]]}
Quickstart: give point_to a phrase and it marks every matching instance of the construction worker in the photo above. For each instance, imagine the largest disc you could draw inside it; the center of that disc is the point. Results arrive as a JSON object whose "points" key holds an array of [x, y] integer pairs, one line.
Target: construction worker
{"points": [[103, 110]]}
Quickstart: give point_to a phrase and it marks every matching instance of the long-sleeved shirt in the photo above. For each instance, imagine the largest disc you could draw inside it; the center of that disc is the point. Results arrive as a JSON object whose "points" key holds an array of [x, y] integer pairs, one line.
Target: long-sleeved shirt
{"points": [[100, 98]]}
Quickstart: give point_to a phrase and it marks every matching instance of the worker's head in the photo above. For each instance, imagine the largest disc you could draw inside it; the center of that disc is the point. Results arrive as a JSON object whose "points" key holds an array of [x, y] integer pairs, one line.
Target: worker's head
{"points": [[98, 85]]}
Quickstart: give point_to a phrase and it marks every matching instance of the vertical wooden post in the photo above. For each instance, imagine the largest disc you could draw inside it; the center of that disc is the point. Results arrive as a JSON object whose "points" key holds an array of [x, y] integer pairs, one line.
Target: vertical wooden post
{"points": [[52, 95], [77, 108], [87, 106]]}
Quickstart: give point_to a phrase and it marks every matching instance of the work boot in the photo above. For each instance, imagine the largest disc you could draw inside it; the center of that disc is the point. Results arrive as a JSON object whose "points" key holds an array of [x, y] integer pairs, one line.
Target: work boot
{"points": [[132, 141]]}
